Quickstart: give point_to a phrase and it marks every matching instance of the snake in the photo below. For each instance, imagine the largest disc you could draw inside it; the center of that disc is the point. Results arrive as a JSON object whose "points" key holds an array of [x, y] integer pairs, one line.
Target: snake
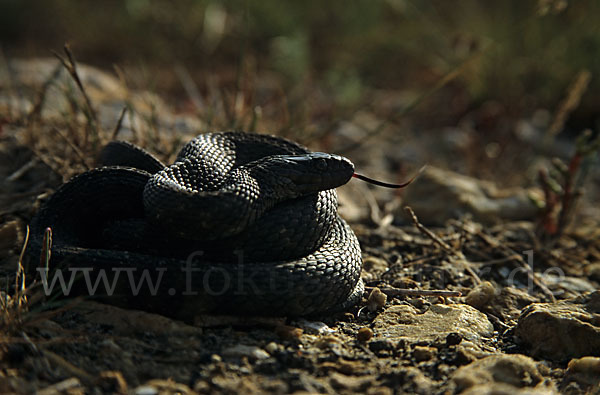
{"points": [[239, 223]]}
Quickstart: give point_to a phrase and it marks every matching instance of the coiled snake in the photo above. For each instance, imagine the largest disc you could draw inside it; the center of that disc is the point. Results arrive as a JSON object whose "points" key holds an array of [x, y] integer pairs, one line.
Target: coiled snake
{"points": [[240, 223]]}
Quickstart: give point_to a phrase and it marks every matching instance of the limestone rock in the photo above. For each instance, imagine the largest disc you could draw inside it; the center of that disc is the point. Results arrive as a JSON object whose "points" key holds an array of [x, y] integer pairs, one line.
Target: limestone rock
{"points": [[584, 373], [509, 302], [405, 322], [481, 295], [422, 353], [562, 330]]}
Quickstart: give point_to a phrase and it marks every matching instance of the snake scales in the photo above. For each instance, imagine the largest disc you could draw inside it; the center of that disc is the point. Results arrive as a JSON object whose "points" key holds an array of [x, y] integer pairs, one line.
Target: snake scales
{"points": [[240, 223]]}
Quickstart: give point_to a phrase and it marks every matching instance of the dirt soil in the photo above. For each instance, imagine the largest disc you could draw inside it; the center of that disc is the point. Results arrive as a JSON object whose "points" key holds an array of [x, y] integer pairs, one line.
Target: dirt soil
{"points": [[477, 292]]}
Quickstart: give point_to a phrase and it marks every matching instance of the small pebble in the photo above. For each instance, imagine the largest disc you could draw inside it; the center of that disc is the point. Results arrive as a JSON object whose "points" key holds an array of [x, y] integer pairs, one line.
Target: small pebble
{"points": [[376, 300], [481, 295], [146, 390], [272, 347], [422, 353], [453, 339], [364, 334], [419, 303], [315, 327], [250, 352]]}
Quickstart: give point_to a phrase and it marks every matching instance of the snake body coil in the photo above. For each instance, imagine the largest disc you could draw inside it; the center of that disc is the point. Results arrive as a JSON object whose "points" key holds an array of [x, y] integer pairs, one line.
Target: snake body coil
{"points": [[240, 223]]}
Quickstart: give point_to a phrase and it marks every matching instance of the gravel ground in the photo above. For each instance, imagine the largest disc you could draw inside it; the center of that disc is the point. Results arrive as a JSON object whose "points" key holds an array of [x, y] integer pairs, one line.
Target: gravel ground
{"points": [[466, 296]]}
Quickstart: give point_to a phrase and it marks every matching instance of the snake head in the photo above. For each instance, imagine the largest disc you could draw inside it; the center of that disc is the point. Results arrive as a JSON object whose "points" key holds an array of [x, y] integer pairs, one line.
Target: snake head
{"points": [[308, 173]]}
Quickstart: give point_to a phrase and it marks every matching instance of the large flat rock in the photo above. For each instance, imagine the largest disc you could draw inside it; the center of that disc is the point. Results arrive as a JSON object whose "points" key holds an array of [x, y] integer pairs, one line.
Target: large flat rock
{"points": [[562, 330], [435, 324]]}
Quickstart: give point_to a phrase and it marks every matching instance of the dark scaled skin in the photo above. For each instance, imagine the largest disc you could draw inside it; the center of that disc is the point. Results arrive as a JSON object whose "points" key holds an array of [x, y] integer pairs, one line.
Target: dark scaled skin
{"points": [[240, 224]]}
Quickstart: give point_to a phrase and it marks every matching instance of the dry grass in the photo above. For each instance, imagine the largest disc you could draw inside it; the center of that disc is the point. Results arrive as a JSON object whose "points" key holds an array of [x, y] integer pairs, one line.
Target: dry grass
{"points": [[14, 305]]}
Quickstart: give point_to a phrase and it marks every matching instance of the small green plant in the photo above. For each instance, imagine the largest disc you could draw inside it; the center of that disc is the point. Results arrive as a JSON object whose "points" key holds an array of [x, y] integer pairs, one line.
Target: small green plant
{"points": [[563, 185]]}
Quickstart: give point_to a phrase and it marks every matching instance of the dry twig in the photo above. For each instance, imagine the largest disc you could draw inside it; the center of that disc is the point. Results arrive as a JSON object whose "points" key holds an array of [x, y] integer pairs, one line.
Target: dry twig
{"points": [[57, 360], [426, 231], [512, 255], [458, 254]]}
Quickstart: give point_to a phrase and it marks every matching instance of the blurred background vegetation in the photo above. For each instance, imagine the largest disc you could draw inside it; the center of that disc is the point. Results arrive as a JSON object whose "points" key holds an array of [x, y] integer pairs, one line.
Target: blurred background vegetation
{"points": [[520, 55]]}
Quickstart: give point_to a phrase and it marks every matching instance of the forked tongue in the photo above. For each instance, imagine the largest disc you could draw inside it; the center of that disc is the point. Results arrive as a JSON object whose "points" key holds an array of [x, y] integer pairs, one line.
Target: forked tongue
{"points": [[387, 184]]}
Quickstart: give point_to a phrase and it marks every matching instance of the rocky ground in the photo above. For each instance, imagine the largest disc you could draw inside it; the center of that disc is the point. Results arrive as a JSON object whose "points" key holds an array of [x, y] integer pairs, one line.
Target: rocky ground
{"points": [[473, 291]]}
